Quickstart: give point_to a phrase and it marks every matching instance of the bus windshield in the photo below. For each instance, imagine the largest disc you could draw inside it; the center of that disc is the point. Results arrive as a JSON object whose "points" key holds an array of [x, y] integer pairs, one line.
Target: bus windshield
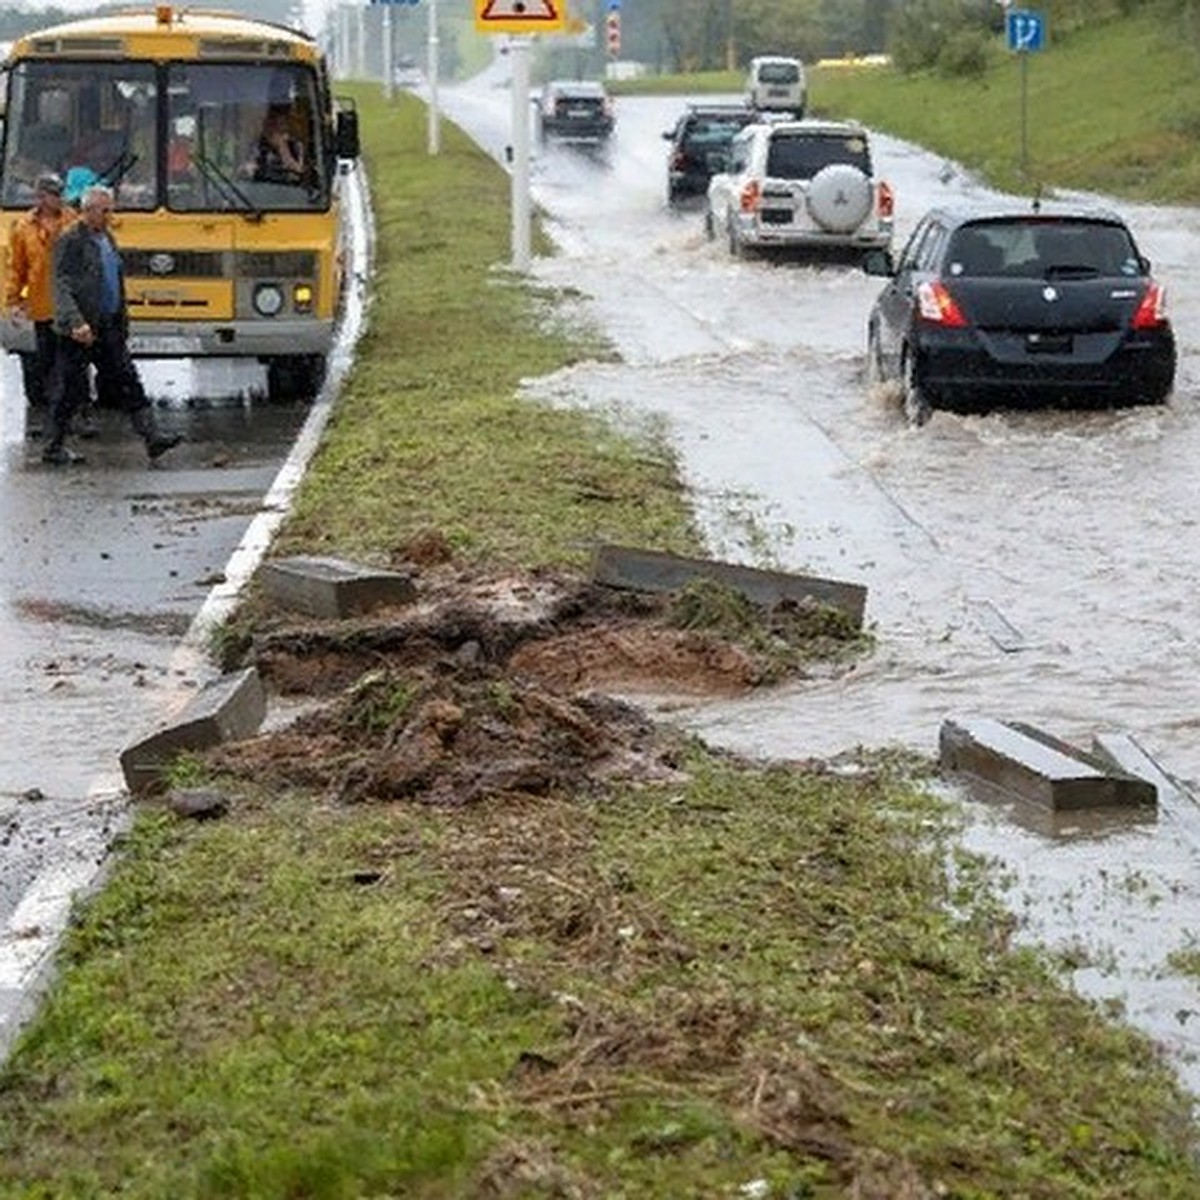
{"points": [[238, 137]]}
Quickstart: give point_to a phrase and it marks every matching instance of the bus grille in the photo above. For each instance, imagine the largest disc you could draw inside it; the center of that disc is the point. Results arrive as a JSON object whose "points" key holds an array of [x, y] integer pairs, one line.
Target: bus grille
{"points": [[219, 264], [168, 264]]}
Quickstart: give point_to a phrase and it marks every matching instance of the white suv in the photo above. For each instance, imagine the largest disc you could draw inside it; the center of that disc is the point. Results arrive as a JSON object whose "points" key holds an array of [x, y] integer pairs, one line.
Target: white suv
{"points": [[806, 184]]}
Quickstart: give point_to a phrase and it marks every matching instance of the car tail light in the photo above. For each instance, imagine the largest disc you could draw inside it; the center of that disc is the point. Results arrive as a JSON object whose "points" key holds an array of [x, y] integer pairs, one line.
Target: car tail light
{"points": [[608, 106], [1152, 312], [885, 200], [937, 305], [751, 193], [678, 160]]}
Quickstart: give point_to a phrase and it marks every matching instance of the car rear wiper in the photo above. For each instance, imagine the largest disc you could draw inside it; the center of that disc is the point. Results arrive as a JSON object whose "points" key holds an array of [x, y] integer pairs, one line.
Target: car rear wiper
{"points": [[228, 188]]}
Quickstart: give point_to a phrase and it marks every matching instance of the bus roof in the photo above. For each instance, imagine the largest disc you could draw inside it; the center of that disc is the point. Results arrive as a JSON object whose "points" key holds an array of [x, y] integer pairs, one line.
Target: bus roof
{"points": [[142, 31]]}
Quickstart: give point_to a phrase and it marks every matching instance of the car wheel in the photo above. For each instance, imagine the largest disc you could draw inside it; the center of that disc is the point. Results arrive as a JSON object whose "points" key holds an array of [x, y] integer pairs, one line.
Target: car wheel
{"points": [[917, 408], [875, 371], [710, 228], [736, 246]]}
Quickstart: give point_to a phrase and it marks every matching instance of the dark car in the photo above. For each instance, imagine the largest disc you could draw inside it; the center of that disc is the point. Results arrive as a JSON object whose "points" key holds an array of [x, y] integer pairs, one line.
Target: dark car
{"points": [[576, 110], [1020, 306], [699, 146]]}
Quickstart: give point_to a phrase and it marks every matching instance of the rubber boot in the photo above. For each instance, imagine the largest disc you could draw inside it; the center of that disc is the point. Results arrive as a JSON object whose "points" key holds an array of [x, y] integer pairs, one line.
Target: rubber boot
{"points": [[145, 426]]}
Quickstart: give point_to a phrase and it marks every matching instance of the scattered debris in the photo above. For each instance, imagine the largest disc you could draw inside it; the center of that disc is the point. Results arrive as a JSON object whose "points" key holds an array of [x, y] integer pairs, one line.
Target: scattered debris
{"points": [[1023, 761]]}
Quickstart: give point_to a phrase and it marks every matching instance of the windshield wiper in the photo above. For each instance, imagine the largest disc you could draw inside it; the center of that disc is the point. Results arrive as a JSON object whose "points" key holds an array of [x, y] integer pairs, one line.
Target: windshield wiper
{"points": [[112, 175], [228, 188]]}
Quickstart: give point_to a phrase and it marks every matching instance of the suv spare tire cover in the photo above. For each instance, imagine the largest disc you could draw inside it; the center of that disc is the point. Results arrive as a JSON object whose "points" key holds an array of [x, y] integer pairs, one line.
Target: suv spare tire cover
{"points": [[839, 197]]}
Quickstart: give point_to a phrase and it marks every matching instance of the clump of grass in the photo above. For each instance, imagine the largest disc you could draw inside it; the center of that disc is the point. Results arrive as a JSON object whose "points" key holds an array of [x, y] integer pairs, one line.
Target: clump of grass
{"points": [[377, 701], [784, 637]]}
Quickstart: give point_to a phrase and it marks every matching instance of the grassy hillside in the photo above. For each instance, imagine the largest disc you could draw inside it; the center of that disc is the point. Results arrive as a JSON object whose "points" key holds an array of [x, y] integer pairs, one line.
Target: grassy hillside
{"points": [[1114, 108]]}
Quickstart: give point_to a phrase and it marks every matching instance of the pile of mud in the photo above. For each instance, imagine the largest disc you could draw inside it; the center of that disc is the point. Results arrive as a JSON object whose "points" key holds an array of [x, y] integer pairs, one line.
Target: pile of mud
{"points": [[493, 686]]}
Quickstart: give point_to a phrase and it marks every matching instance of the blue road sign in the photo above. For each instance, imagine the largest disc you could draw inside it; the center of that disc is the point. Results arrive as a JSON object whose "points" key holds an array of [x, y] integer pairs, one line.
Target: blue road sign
{"points": [[398, 3], [1025, 29], [614, 5]]}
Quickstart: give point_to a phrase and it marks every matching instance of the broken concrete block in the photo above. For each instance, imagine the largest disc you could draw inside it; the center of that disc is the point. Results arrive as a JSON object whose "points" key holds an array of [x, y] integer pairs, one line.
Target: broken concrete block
{"points": [[652, 571], [1027, 763], [1125, 754], [332, 587], [225, 709]]}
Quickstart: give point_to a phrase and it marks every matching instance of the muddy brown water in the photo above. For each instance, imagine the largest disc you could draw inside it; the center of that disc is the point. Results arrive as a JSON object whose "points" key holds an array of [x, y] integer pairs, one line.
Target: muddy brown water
{"points": [[1036, 566]]}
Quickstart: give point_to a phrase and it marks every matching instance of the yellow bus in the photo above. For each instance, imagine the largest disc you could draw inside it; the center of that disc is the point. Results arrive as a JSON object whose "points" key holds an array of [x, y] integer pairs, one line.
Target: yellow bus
{"points": [[224, 148]]}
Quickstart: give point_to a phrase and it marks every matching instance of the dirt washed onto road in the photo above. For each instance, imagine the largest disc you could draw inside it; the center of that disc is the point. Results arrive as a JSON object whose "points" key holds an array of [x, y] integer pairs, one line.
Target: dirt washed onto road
{"points": [[503, 685]]}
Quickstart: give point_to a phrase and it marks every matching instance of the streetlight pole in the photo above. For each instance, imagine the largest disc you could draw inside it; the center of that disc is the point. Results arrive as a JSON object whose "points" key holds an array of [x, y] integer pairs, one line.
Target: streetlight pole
{"points": [[389, 66], [432, 68]]}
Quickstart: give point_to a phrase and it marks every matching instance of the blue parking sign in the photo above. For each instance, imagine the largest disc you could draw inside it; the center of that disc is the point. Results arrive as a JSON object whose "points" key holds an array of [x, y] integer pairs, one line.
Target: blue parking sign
{"points": [[1025, 29]]}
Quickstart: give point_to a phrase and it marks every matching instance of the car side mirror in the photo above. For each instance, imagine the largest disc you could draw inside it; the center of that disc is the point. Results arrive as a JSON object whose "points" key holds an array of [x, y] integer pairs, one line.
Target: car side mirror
{"points": [[668, 135], [345, 138], [1145, 264], [879, 262]]}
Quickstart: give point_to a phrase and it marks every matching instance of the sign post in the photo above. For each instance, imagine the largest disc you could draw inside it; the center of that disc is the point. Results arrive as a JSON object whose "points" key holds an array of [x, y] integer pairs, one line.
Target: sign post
{"points": [[612, 28], [520, 17], [1025, 32]]}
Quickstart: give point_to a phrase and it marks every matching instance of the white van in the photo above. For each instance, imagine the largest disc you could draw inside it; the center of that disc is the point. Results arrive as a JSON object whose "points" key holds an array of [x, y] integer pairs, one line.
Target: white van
{"points": [[777, 84]]}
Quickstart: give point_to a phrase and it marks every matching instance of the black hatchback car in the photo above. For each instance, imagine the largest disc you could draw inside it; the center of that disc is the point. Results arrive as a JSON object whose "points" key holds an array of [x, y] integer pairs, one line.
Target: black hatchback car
{"points": [[1020, 306], [700, 146], [576, 110]]}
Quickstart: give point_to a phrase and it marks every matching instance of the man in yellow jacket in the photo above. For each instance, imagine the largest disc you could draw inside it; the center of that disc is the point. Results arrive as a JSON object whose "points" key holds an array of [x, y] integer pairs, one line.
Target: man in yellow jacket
{"points": [[29, 286]]}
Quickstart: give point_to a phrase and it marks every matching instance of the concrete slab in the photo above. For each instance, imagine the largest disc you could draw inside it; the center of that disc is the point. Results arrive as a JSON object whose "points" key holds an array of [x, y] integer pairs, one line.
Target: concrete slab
{"points": [[652, 571], [226, 709], [1035, 766], [332, 587]]}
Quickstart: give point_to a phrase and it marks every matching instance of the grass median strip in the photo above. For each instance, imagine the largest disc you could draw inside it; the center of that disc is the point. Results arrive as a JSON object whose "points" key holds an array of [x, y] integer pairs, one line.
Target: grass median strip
{"points": [[723, 979]]}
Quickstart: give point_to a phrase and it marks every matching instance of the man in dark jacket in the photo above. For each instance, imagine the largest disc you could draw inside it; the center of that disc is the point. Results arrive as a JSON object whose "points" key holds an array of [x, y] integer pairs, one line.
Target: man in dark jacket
{"points": [[93, 327]]}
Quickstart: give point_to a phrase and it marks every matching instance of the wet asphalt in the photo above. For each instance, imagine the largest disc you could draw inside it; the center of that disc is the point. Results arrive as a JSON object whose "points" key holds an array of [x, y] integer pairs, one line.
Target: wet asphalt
{"points": [[113, 574]]}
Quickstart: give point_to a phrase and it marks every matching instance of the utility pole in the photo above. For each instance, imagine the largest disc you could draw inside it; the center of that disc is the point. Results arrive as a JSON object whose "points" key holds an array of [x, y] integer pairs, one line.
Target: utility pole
{"points": [[435, 135], [389, 61], [344, 65], [360, 42]]}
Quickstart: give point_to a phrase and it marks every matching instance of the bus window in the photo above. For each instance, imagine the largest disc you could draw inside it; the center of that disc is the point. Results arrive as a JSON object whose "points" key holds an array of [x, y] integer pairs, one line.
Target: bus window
{"points": [[89, 123], [244, 136]]}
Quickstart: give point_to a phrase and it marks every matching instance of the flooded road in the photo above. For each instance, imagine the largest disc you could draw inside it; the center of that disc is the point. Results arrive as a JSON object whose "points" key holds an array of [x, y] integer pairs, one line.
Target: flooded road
{"points": [[112, 574], [1037, 566]]}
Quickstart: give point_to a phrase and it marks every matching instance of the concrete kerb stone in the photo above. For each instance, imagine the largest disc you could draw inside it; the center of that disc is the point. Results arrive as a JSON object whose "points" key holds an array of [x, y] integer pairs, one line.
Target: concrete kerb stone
{"points": [[333, 588], [1025, 762], [228, 708], [652, 571]]}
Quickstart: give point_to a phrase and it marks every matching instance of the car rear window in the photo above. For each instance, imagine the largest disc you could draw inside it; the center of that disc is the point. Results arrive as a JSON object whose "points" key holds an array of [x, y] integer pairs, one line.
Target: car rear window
{"points": [[714, 131], [779, 73], [1038, 247], [801, 156]]}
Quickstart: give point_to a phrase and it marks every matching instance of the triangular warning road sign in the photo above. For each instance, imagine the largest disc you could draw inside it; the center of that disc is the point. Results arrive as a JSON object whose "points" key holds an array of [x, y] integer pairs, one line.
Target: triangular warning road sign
{"points": [[520, 16]]}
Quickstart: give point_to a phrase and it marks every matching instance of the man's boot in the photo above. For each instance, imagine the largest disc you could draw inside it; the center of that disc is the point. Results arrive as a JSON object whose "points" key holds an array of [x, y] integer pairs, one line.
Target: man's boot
{"points": [[55, 451], [145, 426]]}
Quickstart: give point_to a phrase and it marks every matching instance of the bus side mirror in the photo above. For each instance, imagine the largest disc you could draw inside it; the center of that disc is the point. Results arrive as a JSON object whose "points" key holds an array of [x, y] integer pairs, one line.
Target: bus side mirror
{"points": [[345, 139]]}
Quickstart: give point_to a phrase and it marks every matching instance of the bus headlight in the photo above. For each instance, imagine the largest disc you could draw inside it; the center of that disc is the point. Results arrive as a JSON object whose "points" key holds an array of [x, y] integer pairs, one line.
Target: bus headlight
{"points": [[302, 297], [268, 299]]}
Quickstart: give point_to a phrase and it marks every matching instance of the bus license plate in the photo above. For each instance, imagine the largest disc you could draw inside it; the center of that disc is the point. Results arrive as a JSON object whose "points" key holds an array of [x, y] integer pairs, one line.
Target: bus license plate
{"points": [[166, 345]]}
